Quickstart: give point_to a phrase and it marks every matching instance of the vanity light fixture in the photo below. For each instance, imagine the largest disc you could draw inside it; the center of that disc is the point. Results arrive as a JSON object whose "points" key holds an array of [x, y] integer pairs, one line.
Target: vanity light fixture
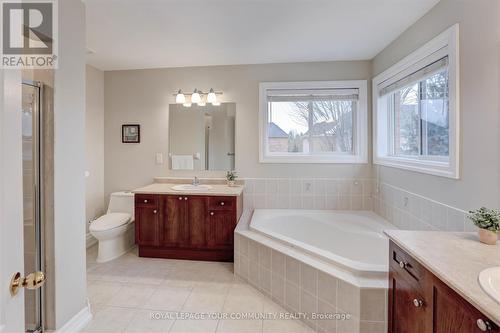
{"points": [[195, 97], [211, 97], [180, 98]]}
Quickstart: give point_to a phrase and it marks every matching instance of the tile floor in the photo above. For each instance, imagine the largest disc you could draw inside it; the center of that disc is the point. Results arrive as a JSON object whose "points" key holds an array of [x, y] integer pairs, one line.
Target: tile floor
{"points": [[127, 292]]}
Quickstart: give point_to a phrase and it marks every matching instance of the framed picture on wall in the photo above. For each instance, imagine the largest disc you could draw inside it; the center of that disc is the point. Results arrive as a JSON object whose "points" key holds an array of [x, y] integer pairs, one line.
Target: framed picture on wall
{"points": [[131, 133]]}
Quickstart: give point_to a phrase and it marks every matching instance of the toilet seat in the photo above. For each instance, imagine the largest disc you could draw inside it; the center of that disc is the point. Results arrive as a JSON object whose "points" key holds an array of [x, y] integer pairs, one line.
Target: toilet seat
{"points": [[110, 221]]}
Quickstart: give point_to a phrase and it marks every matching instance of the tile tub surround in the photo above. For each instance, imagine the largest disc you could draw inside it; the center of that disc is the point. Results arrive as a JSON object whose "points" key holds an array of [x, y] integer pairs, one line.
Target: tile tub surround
{"points": [[289, 280], [410, 211], [307, 193]]}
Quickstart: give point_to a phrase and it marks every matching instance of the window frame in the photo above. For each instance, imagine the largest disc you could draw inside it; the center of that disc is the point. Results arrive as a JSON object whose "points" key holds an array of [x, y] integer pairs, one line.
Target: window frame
{"points": [[445, 44], [360, 132]]}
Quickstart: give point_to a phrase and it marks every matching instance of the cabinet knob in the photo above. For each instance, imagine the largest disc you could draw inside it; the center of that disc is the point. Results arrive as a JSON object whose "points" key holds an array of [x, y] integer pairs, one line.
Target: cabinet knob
{"points": [[418, 303], [180, 198], [185, 198], [222, 203], [145, 201], [211, 213], [155, 211], [402, 264], [483, 325]]}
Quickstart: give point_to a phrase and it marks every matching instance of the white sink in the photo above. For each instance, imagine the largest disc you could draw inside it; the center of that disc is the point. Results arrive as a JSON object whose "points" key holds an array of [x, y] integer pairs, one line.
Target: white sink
{"points": [[489, 280], [189, 187]]}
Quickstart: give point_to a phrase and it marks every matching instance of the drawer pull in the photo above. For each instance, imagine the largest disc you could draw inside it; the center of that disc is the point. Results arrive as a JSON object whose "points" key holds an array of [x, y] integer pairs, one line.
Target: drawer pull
{"points": [[180, 198], [483, 325], [212, 213], [222, 203], [145, 201], [418, 303], [185, 198], [402, 264], [155, 211]]}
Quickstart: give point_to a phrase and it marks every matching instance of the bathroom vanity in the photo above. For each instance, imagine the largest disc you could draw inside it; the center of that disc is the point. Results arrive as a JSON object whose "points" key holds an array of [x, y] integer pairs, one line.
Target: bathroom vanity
{"points": [[433, 283], [191, 224]]}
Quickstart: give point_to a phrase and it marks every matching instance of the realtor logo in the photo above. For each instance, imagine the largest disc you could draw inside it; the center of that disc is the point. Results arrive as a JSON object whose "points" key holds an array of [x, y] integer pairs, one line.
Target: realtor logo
{"points": [[29, 34]]}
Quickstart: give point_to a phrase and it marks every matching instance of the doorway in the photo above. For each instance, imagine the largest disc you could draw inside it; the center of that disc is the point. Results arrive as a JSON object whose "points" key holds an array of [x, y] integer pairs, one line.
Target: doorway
{"points": [[32, 93]]}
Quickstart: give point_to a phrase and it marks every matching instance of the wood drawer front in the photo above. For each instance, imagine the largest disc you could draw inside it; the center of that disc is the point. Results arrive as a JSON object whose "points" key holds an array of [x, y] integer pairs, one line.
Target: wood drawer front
{"points": [[405, 265], [146, 200], [221, 203]]}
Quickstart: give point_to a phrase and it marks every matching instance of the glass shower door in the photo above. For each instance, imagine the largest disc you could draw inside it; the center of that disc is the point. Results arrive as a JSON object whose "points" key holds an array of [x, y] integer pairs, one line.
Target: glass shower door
{"points": [[31, 97]]}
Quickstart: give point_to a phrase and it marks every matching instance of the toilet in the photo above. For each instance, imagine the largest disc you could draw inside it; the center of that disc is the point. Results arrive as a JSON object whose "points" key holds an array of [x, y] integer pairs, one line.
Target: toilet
{"points": [[114, 231]]}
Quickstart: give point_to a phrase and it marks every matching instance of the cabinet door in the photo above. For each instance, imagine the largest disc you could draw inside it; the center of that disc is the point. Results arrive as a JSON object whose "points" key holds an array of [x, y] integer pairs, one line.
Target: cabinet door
{"points": [[197, 211], [407, 307], [175, 226], [221, 233], [453, 314], [147, 225]]}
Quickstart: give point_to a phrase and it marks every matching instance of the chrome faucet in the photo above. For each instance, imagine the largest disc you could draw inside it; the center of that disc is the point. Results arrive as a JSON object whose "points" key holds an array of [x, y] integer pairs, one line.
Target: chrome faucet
{"points": [[196, 181]]}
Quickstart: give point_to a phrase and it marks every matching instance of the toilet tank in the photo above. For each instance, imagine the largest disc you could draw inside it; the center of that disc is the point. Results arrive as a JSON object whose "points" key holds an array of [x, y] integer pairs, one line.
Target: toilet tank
{"points": [[121, 202]]}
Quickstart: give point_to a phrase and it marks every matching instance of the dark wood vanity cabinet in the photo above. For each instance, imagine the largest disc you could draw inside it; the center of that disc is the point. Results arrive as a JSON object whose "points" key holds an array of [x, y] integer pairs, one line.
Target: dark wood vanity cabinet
{"points": [[186, 226], [147, 210], [420, 302]]}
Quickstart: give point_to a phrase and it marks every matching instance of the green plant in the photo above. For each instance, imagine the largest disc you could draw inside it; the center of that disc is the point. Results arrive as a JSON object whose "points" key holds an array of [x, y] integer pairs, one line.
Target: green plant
{"points": [[485, 218], [231, 175]]}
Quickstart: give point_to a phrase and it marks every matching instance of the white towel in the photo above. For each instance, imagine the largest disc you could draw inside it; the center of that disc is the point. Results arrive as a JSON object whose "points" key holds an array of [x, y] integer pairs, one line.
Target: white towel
{"points": [[182, 162]]}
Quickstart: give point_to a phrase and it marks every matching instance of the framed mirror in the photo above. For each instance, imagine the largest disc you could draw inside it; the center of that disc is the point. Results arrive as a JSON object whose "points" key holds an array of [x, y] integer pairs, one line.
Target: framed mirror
{"points": [[202, 137]]}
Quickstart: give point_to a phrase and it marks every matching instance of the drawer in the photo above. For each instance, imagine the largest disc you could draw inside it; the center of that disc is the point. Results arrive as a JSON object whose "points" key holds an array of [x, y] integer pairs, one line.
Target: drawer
{"points": [[221, 203], [405, 265], [146, 200]]}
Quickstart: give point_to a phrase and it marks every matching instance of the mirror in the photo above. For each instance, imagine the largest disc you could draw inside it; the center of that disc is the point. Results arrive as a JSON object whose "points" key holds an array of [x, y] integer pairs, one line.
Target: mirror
{"points": [[202, 137]]}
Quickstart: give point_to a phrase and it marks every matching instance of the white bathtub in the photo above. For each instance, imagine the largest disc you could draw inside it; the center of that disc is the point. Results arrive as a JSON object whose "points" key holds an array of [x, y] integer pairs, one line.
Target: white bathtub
{"points": [[351, 240]]}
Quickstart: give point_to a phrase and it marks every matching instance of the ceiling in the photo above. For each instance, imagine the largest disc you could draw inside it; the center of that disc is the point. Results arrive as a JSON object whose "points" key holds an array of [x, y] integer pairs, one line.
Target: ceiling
{"points": [[134, 34]]}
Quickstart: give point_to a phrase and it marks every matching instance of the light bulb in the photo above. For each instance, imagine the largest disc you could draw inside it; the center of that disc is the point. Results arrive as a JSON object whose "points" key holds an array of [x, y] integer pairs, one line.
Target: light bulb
{"points": [[187, 105], [211, 97], [180, 98], [195, 97]]}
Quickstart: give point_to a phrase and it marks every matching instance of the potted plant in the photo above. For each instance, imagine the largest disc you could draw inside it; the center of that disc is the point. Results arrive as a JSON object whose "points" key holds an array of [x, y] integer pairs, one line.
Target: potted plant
{"points": [[231, 178], [488, 222]]}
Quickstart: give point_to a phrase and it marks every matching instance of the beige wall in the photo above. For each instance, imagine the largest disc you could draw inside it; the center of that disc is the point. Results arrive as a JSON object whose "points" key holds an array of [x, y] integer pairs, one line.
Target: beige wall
{"points": [[142, 96], [479, 21], [94, 143], [69, 165]]}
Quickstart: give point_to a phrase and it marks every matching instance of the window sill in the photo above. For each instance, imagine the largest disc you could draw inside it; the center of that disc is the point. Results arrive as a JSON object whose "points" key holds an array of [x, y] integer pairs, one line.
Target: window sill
{"points": [[312, 159], [436, 168]]}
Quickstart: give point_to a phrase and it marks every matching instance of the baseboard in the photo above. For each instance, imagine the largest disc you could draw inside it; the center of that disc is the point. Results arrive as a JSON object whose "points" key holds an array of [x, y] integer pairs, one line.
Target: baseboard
{"points": [[78, 322], [90, 240]]}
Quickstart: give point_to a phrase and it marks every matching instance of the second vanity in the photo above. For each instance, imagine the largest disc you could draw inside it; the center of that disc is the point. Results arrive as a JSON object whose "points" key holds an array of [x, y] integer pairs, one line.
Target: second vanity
{"points": [[179, 222], [433, 283]]}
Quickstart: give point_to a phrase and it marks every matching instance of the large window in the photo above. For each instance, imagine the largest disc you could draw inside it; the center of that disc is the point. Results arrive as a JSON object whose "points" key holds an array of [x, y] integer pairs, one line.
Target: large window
{"points": [[416, 110], [313, 122]]}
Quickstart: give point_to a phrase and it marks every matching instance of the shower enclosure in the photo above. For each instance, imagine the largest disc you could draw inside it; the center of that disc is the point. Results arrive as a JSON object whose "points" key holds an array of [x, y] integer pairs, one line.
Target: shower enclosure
{"points": [[32, 182]]}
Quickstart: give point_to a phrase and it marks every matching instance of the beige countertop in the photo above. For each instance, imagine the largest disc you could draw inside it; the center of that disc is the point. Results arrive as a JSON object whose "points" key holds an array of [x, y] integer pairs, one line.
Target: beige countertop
{"points": [[166, 188], [456, 258]]}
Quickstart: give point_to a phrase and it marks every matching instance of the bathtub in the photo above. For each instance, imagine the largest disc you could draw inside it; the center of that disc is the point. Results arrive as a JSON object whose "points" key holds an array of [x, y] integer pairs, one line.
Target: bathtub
{"points": [[353, 240], [312, 261]]}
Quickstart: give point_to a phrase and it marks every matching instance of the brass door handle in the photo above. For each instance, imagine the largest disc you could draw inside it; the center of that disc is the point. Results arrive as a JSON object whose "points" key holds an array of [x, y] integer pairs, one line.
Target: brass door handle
{"points": [[32, 281]]}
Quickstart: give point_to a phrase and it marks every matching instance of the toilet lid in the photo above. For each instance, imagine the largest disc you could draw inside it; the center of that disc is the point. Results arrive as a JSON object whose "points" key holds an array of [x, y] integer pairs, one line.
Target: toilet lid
{"points": [[110, 221]]}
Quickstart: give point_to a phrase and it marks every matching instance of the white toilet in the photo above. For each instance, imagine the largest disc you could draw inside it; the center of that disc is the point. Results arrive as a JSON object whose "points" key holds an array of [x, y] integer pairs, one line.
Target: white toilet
{"points": [[115, 230]]}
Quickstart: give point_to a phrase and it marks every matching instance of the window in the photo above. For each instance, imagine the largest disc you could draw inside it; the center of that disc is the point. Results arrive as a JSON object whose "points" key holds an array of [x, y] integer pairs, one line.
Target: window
{"points": [[416, 110], [313, 122]]}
